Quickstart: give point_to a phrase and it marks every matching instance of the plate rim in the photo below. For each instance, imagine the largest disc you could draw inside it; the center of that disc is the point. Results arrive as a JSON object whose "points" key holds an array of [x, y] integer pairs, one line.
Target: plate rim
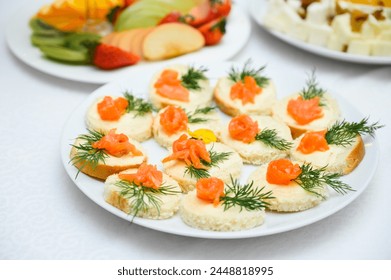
{"points": [[154, 224], [256, 6], [18, 31]]}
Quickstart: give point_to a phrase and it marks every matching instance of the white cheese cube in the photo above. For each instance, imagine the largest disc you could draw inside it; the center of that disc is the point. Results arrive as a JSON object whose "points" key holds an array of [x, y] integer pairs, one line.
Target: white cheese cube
{"points": [[381, 48], [367, 31], [385, 35], [294, 4], [318, 13], [361, 47], [334, 43], [343, 29], [319, 34]]}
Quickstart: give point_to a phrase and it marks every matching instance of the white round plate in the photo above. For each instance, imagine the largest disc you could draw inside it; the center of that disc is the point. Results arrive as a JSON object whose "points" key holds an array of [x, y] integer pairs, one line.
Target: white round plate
{"points": [[257, 9], [18, 39], [274, 223]]}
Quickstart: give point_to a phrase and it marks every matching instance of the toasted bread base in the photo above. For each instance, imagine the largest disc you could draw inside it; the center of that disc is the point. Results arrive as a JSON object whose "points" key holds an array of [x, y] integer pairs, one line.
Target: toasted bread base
{"points": [[204, 215], [257, 152], [330, 110], [231, 167], [262, 104], [168, 207], [290, 198], [337, 159], [104, 169]]}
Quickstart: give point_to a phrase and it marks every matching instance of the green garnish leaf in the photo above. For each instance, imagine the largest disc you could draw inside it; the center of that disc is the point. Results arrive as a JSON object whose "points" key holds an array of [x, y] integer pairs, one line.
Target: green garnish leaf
{"points": [[193, 118], [270, 138], [245, 196], [343, 133], [237, 75], [86, 154], [313, 180], [215, 159], [192, 77], [144, 197], [312, 89], [138, 105]]}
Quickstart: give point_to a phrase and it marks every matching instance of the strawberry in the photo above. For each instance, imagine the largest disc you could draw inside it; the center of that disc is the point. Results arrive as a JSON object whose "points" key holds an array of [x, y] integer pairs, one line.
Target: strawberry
{"points": [[171, 17], [213, 31], [221, 8], [109, 57]]}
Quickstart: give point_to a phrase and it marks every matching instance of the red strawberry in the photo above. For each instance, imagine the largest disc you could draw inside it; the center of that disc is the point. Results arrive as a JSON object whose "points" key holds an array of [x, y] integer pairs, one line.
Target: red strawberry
{"points": [[213, 31], [171, 17], [109, 57], [221, 7]]}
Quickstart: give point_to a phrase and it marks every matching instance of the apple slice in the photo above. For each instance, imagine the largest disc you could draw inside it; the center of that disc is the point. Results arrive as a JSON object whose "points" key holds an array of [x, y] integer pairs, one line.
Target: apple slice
{"points": [[170, 40]]}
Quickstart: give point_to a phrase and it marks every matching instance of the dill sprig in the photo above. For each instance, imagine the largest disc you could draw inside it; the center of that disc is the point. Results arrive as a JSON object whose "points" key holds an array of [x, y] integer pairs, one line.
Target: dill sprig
{"points": [[138, 105], [192, 77], [193, 118], [343, 133], [85, 153], [312, 89], [245, 196], [270, 138], [143, 197], [215, 159], [237, 75], [313, 180]]}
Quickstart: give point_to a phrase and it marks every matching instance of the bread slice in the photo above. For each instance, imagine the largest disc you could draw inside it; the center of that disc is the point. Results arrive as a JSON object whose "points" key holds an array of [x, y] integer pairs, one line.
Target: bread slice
{"points": [[338, 159], [213, 123], [290, 198], [204, 215], [111, 164], [168, 205], [197, 98], [262, 105], [258, 152], [231, 167], [137, 127], [331, 114]]}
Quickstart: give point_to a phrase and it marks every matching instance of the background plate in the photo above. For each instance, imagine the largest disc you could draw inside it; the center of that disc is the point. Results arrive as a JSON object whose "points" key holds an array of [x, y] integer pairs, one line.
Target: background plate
{"points": [[18, 39], [274, 223], [257, 9]]}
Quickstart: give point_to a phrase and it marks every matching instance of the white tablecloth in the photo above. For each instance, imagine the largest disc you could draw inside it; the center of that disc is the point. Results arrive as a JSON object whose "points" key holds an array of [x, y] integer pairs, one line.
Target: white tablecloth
{"points": [[43, 215]]}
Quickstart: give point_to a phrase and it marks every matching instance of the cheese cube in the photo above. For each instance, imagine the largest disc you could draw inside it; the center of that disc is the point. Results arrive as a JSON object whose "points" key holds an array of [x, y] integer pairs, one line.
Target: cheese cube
{"points": [[361, 47], [319, 34], [318, 13], [381, 48]]}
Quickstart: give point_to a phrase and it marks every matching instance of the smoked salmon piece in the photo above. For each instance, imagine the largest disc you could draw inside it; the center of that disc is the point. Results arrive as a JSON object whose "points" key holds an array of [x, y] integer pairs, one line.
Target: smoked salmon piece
{"points": [[116, 145], [243, 128], [313, 141], [191, 151], [168, 85], [304, 111], [110, 109], [245, 91], [147, 175], [210, 189], [173, 119], [282, 172]]}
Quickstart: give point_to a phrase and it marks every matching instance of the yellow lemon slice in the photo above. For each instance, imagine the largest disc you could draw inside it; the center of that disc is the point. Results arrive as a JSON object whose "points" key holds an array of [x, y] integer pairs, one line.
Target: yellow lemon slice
{"points": [[206, 135]]}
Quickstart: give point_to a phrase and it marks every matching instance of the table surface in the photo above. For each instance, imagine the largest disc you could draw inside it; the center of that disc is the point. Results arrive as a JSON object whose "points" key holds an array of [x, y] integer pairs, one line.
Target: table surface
{"points": [[43, 215]]}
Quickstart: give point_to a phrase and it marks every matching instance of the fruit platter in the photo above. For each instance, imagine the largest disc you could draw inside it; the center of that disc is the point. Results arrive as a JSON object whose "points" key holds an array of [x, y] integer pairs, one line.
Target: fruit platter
{"points": [[95, 41]]}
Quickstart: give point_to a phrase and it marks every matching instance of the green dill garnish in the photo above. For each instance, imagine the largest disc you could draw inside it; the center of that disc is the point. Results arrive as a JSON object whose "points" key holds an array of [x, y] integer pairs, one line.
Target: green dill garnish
{"points": [[245, 196], [192, 77], [193, 118], [270, 138], [144, 197], [312, 89], [220, 25], [237, 75], [215, 159], [313, 180], [85, 153], [342, 133], [138, 105]]}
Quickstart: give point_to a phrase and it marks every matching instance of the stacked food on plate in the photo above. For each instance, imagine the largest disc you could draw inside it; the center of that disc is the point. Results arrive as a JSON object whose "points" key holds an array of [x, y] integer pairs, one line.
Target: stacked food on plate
{"points": [[115, 33], [360, 27], [205, 132]]}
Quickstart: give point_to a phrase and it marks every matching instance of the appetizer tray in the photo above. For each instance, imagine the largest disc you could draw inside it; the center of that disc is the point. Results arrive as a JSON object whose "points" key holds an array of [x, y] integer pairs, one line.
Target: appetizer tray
{"points": [[138, 83], [18, 40], [257, 9]]}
